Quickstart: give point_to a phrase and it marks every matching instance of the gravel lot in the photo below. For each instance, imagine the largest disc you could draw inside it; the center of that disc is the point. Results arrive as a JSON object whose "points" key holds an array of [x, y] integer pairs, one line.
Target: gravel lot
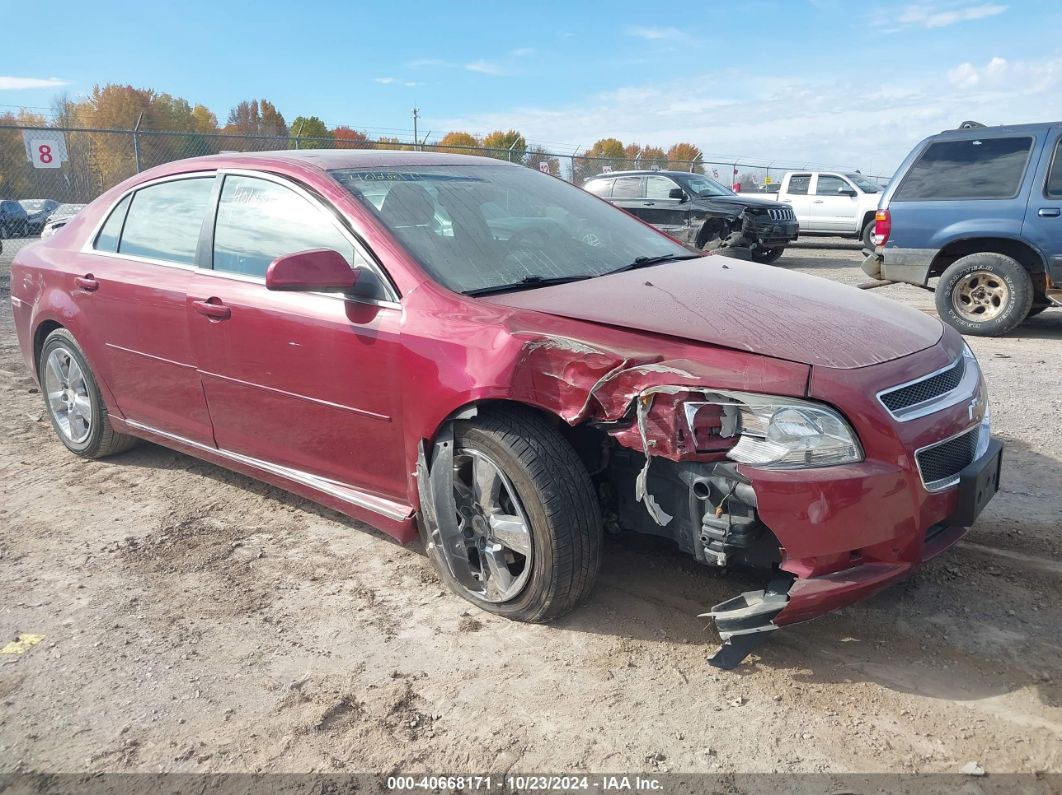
{"points": [[196, 620]]}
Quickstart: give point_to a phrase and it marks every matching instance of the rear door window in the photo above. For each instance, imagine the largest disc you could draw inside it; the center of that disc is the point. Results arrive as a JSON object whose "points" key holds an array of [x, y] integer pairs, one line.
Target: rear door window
{"points": [[164, 220], [799, 184], [627, 188], [599, 187], [991, 168], [1054, 176]]}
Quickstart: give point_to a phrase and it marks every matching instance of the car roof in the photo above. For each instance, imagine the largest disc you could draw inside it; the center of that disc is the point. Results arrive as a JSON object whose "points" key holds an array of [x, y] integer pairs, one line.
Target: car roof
{"points": [[640, 172], [328, 159], [999, 129]]}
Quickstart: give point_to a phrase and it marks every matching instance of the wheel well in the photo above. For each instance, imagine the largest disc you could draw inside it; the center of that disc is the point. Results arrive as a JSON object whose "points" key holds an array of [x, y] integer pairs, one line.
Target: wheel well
{"points": [[721, 225], [39, 336], [1023, 253], [867, 218]]}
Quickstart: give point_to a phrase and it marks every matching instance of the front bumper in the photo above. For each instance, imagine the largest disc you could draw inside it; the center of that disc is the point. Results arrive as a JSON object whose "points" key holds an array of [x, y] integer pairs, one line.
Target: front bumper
{"points": [[772, 234]]}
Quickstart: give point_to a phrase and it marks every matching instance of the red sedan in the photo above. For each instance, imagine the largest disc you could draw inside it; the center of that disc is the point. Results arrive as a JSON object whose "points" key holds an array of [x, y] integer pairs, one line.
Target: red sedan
{"points": [[487, 357]]}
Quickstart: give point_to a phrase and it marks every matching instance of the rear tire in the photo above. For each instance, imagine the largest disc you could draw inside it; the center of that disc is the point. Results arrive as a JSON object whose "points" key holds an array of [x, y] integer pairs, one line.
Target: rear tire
{"points": [[555, 496], [767, 255], [73, 402], [868, 235], [984, 294]]}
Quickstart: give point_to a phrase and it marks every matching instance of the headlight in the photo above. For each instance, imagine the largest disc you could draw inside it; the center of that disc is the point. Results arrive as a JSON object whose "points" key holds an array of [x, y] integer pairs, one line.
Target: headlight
{"points": [[773, 432]]}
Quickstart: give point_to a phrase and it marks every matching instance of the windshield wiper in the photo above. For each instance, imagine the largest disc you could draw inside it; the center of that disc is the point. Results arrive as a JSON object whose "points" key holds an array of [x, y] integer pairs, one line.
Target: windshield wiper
{"points": [[645, 262], [528, 283]]}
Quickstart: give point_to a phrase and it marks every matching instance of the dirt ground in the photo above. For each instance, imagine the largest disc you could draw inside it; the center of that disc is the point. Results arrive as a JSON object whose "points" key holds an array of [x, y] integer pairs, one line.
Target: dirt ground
{"points": [[196, 620]]}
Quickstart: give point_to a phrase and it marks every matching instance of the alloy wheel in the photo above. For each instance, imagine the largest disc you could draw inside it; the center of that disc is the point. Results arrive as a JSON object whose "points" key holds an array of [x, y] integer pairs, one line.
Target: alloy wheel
{"points": [[980, 296], [496, 531], [67, 393]]}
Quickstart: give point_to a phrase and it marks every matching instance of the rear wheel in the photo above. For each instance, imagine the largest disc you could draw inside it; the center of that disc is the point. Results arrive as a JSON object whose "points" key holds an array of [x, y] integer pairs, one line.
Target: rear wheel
{"points": [[868, 235], [529, 542], [73, 400], [985, 294], [767, 255]]}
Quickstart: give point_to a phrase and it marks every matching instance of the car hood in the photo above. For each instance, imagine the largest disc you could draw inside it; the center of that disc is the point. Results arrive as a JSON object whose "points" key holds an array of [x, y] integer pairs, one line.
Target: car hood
{"points": [[744, 306], [738, 202]]}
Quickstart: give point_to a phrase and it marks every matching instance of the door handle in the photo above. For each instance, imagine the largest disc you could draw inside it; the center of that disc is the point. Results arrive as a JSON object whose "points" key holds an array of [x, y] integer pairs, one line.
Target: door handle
{"points": [[212, 308], [87, 283], [817, 201], [1049, 212], [648, 204]]}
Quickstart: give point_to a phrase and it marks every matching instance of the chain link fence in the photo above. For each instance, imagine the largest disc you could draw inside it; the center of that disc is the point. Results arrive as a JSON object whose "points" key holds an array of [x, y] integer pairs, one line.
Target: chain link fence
{"points": [[76, 165]]}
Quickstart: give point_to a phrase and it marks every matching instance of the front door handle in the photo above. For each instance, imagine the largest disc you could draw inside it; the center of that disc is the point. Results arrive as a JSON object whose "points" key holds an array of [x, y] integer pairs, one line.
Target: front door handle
{"points": [[817, 201], [212, 308], [648, 204], [1049, 212], [87, 283]]}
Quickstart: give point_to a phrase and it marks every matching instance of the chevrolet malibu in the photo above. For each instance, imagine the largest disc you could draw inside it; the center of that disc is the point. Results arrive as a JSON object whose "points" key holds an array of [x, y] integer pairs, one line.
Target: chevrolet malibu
{"points": [[487, 358]]}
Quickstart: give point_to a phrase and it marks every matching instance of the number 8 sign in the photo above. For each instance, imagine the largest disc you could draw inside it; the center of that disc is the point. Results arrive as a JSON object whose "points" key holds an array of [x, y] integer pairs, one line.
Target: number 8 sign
{"points": [[43, 153]]}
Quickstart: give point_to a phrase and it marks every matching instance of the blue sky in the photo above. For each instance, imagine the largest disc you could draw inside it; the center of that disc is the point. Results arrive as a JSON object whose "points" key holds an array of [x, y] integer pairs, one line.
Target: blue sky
{"points": [[823, 81]]}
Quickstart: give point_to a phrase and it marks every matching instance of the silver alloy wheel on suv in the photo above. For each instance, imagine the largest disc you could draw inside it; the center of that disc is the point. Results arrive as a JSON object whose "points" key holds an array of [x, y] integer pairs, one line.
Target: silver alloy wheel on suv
{"points": [[980, 296]]}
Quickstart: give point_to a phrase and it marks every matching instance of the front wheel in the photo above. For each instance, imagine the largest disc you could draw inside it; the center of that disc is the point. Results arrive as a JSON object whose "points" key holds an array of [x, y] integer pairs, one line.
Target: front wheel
{"points": [[521, 536], [984, 294], [767, 255]]}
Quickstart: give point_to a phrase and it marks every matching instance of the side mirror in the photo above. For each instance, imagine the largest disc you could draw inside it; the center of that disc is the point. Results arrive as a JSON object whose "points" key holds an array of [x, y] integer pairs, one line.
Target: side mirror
{"points": [[319, 270], [846, 192], [677, 193]]}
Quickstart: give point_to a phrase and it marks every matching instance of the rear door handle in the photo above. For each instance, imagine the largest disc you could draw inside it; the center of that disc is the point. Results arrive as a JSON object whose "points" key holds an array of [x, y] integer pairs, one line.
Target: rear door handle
{"points": [[1049, 212], [817, 201], [649, 204], [87, 283], [212, 308]]}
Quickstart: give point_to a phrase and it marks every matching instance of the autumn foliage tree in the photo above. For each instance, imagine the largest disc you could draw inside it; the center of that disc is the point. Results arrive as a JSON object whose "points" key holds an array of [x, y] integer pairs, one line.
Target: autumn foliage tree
{"points": [[259, 124], [347, 138], [685, 157], [310, 133], [459, 143], [509, 145]]}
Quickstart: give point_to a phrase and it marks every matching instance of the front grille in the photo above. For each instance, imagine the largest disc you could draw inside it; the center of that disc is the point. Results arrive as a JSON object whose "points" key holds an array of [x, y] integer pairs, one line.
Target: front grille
{"points": [[781, 214], [929, 388], [941, 464]]}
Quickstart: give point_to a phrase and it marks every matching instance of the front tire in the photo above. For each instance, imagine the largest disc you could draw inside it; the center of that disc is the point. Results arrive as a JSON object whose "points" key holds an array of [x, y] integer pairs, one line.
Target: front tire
{"points": [[72, 400], [530, 522], [984, 294], [767, 255]]}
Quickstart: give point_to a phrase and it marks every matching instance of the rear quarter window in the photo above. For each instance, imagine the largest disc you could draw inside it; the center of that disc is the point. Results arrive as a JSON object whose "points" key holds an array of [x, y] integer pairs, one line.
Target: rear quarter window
{"points": [[990, 168], [1053, 188], [599, 187], [111, 232]]}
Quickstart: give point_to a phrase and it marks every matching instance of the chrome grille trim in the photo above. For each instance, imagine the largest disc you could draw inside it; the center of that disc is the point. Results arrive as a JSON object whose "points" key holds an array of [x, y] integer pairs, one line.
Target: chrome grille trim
{"points": [[781, 214], [944, 460], [957, 382]]}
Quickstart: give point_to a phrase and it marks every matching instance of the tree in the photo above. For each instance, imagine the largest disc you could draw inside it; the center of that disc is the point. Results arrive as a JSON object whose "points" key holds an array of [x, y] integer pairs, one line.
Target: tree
{"points": [[607, 154], [386, 142], [653, 157], [685, 157], [203, 120], [459, 143], [346, 138], [508, 145], [536, 156], [17, 177], [312, 133], [259, 123]]}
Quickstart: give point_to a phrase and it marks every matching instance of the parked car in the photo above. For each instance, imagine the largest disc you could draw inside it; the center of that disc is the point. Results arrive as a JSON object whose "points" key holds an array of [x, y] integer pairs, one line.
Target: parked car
{"points": [[274, 314], [980, 208], [59, 218], [832, 203], [701, 212], [13, 219], [37, 212]]}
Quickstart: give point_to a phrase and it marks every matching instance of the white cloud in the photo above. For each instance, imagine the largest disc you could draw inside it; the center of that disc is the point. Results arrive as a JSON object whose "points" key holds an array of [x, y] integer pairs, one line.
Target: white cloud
{"points": [[485, 68], [934, 15], [522, 52], [385, 80], [654, 34], [830, 121], [20, 83]]}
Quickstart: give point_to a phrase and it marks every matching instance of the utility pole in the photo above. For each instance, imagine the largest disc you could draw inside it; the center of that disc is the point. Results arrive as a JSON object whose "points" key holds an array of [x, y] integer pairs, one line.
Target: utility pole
{"points": [[416, 141]]}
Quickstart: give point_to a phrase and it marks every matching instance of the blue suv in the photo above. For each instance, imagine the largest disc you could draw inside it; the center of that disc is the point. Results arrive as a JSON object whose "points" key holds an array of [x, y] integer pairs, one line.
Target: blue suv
{"points": [[980, 208]]}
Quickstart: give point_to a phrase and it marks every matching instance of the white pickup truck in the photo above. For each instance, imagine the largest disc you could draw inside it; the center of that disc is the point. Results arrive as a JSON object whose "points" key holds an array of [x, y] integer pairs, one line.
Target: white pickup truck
{"points": [[831, 203]]}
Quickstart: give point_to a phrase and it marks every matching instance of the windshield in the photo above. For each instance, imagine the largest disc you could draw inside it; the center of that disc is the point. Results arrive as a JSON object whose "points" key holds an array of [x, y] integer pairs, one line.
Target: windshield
{"points": [[864, 184], [478, 227], [704, 186]]}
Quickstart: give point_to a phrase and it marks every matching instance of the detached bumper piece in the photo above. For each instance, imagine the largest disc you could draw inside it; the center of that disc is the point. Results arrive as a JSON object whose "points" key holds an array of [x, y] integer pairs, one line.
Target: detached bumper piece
{"points": [[744, 622]]}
